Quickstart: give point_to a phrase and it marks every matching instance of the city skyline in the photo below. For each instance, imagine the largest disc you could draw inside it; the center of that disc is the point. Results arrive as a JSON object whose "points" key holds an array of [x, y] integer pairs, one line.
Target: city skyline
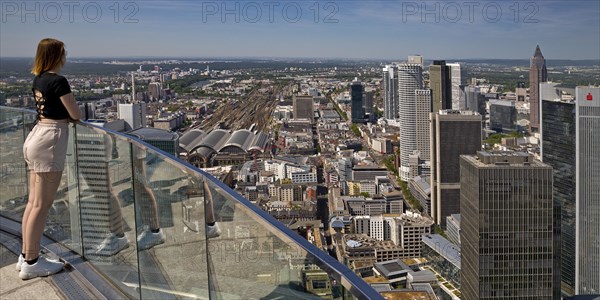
{"points": [[387, 30]]}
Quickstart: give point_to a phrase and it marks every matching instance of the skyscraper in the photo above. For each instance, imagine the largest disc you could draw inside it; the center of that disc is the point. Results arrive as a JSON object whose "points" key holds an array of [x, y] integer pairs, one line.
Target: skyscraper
{"points": [[587, 247], [410, 79], [453, 133], [441, 85], [390, 92], [558, 151], [356, 94], [458, 79], [537, 75], [422, 110], [506, 227]]}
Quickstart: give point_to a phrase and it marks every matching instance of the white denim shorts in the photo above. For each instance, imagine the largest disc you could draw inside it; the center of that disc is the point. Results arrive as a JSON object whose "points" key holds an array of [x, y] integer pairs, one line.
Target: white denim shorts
{"points": [[45, 148]]}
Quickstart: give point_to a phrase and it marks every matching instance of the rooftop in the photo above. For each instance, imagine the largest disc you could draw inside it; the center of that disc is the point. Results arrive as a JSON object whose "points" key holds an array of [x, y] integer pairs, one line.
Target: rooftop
{"points": [[154, 134], [408, 295], [447, 249], [494, 159]]}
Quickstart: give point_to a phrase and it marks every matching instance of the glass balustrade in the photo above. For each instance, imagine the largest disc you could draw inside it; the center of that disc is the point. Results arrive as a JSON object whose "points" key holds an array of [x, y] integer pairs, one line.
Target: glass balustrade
{"points": [[139, 217]]}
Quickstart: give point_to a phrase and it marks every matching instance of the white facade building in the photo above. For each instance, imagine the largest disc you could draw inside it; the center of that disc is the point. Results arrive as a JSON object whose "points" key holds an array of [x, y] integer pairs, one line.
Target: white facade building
{"points": [[134, 114]]}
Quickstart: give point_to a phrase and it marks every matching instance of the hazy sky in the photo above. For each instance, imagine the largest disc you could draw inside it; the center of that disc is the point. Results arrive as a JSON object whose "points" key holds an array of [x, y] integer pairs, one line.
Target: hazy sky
{"points": [[345, 29]]}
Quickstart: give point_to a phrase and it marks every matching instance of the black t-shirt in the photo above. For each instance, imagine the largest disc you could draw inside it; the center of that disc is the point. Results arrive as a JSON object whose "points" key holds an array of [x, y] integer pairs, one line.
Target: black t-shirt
{"points": [[52, 86]]}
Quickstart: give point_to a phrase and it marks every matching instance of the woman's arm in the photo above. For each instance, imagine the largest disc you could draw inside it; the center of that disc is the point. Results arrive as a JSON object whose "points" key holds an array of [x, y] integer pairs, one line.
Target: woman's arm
{"points": [[68, 101]]}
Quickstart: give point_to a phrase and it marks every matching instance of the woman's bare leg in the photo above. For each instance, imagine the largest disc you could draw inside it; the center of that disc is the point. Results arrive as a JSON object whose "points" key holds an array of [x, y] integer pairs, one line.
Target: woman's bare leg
{"points": [[44, 190], [28, 209]]}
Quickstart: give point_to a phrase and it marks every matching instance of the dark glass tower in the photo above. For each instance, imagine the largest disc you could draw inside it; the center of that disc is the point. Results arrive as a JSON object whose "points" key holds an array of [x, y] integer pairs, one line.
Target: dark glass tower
{"points": [[558, 151], [358, 109], [537, 75], [503, 115], [453, 133], [507, 244]]}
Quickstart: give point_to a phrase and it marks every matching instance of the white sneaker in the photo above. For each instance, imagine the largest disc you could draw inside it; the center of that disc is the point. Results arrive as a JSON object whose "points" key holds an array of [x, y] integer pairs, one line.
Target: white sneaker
{"points": [[43, 267], [112, 245], [148, 239], [21, 260], [213, 231]]}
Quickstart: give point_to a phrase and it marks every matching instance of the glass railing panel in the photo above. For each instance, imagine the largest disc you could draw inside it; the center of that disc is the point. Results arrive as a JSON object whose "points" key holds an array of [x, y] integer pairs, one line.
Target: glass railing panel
{"points": [[170, 227], [114, 184], [63, 224], [14, 127], [106, 203], [252, 259]]}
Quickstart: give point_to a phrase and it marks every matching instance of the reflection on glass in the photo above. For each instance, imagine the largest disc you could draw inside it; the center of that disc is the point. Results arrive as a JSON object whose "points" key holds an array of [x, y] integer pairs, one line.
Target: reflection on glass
{"points": [[13, 174], [273, 265], [105, 197], [171, 246]]}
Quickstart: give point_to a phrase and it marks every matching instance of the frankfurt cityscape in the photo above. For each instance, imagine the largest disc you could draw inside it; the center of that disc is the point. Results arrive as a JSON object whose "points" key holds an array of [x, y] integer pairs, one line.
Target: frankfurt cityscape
{"points": [[429, 150]]}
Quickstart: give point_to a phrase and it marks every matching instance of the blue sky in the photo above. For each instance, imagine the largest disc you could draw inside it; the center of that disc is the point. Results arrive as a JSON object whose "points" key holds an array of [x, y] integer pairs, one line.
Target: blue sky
{"points": [[345, 29]]}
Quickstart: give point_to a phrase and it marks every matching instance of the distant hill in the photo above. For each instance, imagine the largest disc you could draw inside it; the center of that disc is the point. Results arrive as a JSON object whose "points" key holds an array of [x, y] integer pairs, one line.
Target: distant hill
{"points": [[525, 62], [21, 66]]}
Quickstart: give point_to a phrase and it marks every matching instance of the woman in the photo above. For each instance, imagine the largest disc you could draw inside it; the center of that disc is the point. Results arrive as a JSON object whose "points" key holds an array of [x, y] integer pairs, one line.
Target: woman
{"points": [[45, 150]]}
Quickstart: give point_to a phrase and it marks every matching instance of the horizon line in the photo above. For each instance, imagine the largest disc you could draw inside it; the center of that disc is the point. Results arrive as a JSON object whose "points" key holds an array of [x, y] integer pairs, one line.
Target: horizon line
{"points": [[291, 57]]}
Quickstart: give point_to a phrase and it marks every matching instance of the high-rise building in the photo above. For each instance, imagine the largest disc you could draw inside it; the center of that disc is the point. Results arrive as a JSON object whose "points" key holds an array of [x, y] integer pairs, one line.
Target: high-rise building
{"points": [[303, 107], [390, 92], [410, 79], [458, 79], [521, 91], [416, 59], [475, 101], [368, 102], [587, 244], [134, 114], [422, 110], [557, 149], [441, 85], [537, 75], [453, 228], [453, 133], [88, 110], [356, 94], [503, 115], [506, 227], [155, 91]]}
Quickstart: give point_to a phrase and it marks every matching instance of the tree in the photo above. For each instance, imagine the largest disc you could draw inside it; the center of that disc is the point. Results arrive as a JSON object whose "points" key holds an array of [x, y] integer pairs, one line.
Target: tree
{"points": [[355, 129]]}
